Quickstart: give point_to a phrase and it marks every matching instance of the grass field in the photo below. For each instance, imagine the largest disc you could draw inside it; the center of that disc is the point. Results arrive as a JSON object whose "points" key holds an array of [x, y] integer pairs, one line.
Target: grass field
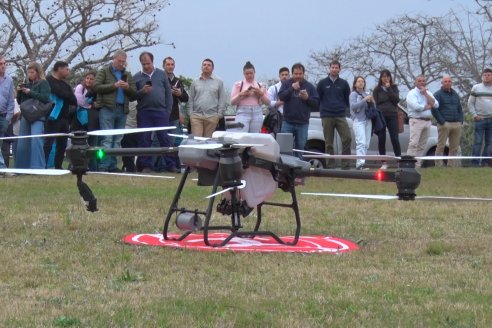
{"points": [[421, 264]]}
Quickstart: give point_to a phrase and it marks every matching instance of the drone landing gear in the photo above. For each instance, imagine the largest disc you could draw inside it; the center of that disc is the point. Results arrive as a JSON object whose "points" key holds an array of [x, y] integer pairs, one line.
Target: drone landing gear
{"points": [[190, 221]]}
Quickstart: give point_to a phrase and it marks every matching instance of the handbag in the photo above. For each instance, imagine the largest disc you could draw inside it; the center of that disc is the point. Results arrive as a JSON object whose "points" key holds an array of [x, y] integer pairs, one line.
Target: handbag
{"points": [[32, 109], [401, 121], [371, 111]]}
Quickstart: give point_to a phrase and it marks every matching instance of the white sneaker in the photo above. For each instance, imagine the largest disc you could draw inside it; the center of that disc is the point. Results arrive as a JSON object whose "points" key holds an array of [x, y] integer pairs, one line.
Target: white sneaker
{"points": [[384, 167]]}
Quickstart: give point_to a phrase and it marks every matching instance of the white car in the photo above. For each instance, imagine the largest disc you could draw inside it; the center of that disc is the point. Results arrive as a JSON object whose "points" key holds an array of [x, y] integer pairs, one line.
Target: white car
{"points": [[316, 141]]}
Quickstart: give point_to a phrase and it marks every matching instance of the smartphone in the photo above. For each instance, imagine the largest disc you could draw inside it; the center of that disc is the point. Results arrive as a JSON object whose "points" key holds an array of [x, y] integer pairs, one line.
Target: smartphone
{"points": [[21, 85], [124, 77], [149, 83]]}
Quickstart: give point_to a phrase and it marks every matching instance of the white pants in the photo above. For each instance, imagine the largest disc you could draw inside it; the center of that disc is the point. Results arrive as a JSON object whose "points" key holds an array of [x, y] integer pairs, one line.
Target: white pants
{"points": [[362, 132], [251, 117]]}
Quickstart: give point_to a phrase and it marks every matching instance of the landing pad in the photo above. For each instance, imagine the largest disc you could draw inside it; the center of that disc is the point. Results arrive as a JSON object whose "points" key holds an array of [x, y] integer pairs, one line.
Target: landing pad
{"points": [[264, 244]]}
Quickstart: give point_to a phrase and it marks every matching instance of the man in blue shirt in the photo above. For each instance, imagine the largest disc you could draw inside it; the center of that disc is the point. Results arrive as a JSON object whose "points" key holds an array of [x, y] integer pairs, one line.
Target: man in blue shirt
{"points": [[299, 99], [154, 105], [114, 85], [6, 102]]}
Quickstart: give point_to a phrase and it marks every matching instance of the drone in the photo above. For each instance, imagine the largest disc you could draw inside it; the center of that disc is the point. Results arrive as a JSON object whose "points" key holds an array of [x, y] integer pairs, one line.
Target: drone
{"points": [[249, 168]]}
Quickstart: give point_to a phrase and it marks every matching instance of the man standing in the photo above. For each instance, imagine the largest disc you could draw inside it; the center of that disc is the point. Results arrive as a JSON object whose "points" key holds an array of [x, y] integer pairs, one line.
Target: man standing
{"points": [[207, 102], [58, 122], [275, 102], [299, 99], [7, 104], [449, 116], [114, 86], [480, 106], [154, 104], [179, 96], [419, 104], [334, 95]]}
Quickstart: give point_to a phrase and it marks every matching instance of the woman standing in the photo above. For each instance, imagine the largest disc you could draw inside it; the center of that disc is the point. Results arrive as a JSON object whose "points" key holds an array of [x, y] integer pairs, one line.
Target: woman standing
{"points": [[30, 153], [359, 103], [87, 116], [386, 96], [248, 95]]}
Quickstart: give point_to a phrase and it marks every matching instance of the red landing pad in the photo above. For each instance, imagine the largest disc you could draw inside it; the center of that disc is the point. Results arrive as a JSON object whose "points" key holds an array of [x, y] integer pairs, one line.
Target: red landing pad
{"points": [[266, 244]]}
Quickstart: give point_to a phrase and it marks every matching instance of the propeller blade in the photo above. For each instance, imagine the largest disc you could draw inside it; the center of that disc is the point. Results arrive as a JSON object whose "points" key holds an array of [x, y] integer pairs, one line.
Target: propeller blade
{"points": [[313, 154], [380, 197], [449, 198], [202, 146], [241, 186], [48, 135], [389, 197], [35, 171], [432, 158], [132, 175], [113, 132], [247, 145], [184, 136]]}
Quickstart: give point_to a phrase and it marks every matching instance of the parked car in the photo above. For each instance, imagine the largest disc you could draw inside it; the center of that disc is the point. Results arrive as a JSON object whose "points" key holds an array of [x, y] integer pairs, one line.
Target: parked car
{"points": [[316, 141]]}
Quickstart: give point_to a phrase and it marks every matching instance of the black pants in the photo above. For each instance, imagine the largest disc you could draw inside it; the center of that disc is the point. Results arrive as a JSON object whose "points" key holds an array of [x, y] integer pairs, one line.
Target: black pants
{"points": [[57, 126], [392, 126], [129, 141]]}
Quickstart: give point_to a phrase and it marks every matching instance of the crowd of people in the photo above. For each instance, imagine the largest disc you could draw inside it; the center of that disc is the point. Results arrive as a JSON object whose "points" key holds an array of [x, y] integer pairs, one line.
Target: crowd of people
{"points": [[103, 100]]}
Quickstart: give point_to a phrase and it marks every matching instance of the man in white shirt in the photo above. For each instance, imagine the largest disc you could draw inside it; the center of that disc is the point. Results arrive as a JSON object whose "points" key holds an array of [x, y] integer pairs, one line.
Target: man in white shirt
{"points": [[283, 75], [419, 104]]}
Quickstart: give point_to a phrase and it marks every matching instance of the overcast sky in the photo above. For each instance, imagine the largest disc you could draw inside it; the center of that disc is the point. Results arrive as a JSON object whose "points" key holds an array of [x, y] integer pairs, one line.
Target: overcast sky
{"points": [[270, 33]]}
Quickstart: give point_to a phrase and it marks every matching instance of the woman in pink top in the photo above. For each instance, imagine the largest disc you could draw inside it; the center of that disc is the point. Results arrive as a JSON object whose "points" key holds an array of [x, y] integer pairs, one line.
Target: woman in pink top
{"points": [[248, 96]]}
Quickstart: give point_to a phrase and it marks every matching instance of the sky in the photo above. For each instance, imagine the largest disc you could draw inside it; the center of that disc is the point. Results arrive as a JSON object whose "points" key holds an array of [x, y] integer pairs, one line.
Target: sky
{"points": [[270, 33]]}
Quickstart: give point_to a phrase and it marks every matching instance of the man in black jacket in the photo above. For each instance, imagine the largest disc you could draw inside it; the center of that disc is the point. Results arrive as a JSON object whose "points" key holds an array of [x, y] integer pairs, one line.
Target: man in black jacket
{"points": [[58, 121], [449, 116], [300, 99], [334, 95]]}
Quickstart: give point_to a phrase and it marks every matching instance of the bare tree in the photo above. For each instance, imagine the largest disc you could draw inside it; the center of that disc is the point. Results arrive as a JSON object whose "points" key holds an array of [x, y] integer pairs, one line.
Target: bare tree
{"points": [[405, 45], [84, 33]]}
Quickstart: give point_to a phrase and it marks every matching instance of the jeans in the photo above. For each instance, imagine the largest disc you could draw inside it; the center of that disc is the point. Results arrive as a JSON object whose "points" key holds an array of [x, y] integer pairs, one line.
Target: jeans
{"points": [[251, 117], [30, 152], [110, 118], [147, 119], [362, 133], [4, 124], [483, 128], [300, 133]]}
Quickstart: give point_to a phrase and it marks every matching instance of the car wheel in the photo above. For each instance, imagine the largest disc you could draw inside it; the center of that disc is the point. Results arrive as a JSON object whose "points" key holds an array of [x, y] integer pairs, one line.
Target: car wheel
{"points": [[432, 152], [316, 163]]}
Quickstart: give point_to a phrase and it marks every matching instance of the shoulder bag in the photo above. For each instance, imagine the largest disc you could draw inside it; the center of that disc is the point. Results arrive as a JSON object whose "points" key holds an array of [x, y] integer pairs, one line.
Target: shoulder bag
{"points": [[33, 109]]}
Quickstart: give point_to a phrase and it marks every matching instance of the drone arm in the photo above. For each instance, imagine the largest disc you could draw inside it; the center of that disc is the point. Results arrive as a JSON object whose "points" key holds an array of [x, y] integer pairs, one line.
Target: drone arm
{"points": [[378, 175], [140, 151]]}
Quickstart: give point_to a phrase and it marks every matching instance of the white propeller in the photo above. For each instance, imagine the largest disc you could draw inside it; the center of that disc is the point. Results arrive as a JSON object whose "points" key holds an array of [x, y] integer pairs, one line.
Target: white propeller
{"points": [[202, 146], [35, 171], [184, 136], [391, 197], [241, 186], [132, 175], [217, 145], [312, 154], [109, 132], [63, 172]]}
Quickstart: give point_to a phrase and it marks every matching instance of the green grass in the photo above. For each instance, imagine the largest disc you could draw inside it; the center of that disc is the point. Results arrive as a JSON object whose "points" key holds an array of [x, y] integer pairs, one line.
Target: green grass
{"points": [[421, 264]]}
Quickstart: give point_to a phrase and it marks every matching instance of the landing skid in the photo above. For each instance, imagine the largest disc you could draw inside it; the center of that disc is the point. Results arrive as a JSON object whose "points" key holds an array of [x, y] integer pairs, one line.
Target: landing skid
{"points": [[235, 226]]}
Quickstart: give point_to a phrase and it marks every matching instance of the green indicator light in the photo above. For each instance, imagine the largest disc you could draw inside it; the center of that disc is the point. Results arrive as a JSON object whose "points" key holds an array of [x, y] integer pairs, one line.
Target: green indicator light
{"points": [[100, 154]]}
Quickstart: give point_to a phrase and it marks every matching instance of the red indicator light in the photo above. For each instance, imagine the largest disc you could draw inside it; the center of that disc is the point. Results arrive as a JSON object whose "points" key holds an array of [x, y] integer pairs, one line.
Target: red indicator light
{"points": [[379, 175]]}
